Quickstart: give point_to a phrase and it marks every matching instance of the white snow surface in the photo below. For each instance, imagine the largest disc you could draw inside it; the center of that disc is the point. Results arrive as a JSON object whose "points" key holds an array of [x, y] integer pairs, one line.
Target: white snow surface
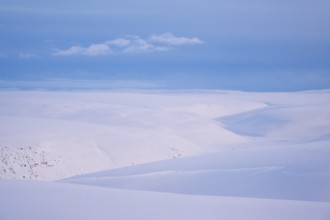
{"points": [[30, 200], [165, 155], [292, 172], [87, 132]]}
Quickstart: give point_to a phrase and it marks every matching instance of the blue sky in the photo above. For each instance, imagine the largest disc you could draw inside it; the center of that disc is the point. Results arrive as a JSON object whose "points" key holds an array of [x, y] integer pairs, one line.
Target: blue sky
{"points": [[257, 45]]}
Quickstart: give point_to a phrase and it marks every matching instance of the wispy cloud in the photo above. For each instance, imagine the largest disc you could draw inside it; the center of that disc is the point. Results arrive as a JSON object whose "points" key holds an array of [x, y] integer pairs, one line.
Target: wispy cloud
{"points": [[130, 44], [169, 38], [139, 45], [119, 42], [26, 55], [92, 50]]}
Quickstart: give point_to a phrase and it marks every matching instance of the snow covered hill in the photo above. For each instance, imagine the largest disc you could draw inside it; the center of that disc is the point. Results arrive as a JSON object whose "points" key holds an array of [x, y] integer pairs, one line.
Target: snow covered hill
{"points": [[165, 155], [78, 133], [69, 134]]}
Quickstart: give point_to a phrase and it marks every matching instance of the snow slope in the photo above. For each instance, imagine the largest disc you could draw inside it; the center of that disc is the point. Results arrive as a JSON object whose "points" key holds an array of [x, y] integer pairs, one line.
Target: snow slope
{"points": [[78, 133], [53, 201], [86, 132], [292, 172], [178, 155]]}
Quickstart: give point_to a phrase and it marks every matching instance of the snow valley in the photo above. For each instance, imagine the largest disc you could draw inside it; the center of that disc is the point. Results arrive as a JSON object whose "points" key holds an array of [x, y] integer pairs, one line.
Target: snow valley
{"points": [[164, 155]]}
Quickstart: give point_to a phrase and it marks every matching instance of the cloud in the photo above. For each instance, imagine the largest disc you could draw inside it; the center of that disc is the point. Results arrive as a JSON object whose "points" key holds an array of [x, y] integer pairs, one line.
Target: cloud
{"points": [[139, 45], [130, 44], [119, 42], [169, 38], [97, 49], [26, 55], [133, 44], [92, 50]]}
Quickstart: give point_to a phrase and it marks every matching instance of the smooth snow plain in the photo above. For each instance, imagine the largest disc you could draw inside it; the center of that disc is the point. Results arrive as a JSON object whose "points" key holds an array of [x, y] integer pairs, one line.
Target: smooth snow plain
{"points": [[164, 155]]}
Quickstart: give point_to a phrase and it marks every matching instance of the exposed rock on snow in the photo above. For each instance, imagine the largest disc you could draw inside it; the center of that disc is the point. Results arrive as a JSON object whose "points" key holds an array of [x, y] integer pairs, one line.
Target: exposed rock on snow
{"points": [[26, 162]]}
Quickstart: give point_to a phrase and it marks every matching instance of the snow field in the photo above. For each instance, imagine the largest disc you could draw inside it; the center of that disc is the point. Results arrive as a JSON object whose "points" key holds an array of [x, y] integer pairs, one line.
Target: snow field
{"points": [[53, 201], [88, 132], [165, 155]]}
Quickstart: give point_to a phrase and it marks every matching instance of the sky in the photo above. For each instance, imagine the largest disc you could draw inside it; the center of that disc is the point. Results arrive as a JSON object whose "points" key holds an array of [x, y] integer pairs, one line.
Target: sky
{"points": [[256, 45]]}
